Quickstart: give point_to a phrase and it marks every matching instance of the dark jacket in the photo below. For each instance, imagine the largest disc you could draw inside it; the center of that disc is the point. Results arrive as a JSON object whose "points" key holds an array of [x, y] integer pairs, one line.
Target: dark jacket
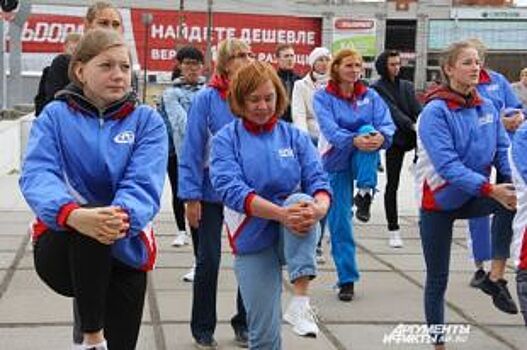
{"points": [[400, 97], [57, 77], [288, 78]]}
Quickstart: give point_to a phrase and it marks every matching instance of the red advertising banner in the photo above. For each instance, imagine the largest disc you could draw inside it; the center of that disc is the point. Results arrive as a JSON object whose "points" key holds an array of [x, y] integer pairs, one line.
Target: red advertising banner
{"points": [[44, 32], [262, 32]]}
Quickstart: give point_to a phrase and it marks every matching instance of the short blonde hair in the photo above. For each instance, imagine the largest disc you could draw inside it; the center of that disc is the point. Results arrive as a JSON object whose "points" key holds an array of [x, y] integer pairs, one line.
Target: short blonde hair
{"points": [[92, 44], [226, 50], [248, 79], [337, 60]]}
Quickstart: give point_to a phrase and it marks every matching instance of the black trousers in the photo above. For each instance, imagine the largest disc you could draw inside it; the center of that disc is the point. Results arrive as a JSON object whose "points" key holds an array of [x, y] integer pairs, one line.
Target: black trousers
{"points": [[204, 318], [108, 294], [178, 206], [394, 164]]}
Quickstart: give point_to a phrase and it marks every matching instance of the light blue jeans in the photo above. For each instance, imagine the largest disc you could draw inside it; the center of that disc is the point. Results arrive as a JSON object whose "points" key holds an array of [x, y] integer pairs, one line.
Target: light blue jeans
{"points": [[363, 169], [259, 276]]}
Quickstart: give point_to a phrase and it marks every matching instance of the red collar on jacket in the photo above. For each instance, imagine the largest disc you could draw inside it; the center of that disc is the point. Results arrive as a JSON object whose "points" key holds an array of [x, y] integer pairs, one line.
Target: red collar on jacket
{"points": [[484, 77], [220, 83], [256, 129], [454, 100], [359, 89]]}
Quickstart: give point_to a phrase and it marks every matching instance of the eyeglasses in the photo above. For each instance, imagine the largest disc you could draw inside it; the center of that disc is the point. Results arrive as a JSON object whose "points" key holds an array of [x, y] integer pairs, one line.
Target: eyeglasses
{"points": [[191, 63], [243, 55]]}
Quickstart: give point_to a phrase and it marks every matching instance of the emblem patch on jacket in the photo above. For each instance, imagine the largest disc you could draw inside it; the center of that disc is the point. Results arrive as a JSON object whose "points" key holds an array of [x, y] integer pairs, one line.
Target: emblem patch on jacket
{"points": [[125, 137], [286, 153], [486, 119]]}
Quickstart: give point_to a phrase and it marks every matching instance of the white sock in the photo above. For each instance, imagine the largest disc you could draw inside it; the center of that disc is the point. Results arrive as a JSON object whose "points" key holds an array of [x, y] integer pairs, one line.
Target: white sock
{"points": [[300, 300], [76, 346], [364, 191], [100, 346]]}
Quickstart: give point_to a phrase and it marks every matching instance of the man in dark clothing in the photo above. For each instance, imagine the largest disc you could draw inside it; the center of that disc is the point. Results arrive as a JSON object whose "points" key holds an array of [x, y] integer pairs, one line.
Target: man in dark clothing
{"points": [[400, 97], [55, 77], [285, 58]]}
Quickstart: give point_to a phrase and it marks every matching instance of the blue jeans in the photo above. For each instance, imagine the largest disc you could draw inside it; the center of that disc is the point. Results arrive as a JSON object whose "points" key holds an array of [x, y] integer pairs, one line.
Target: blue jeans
{"points": [[363, 169], [203, 320], [479, 229], [436, 237], [483, 248], [259, 276]]}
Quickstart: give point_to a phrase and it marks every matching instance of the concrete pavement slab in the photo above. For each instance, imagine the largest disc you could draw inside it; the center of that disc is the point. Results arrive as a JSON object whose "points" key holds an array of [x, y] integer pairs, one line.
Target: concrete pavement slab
{"points": [[379, 297], [474, 303], [178, 337], [10, 242], [170, 280], [6, 258], [517, 335], [36, 336], [28, 300]]}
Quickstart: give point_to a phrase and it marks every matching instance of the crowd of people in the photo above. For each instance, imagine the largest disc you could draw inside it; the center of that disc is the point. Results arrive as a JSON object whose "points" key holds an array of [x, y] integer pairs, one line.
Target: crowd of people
{"points": [[275, 158]]}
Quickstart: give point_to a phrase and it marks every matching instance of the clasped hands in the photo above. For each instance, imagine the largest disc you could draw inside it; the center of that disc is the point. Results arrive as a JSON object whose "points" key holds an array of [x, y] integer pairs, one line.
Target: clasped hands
{"points": [[302, 216], [368, 142], [104, 224]]}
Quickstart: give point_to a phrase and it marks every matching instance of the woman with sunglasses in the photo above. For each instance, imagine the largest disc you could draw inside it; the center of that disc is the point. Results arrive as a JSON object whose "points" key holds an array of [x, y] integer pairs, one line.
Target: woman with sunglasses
{"points": [[208, 113]]}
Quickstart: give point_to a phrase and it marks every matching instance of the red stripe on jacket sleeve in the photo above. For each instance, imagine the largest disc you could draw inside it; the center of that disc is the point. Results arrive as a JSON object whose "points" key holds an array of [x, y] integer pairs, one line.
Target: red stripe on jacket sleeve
{"points": [[65, 212], [485, 189], [247, 203]]}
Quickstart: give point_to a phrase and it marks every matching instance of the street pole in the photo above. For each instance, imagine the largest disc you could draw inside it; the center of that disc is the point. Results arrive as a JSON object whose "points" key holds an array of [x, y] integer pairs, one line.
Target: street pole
{"points": [[3, 75], [147, 18], [208, 54], [181, 20]]}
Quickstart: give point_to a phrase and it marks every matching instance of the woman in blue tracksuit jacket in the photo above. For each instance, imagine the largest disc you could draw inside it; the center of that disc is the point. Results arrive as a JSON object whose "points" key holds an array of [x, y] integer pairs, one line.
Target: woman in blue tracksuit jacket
{"points": [[498, 90], [355, 124], [93, 174], [271, 180], [208, 113], [460, 137], [173, 107]]}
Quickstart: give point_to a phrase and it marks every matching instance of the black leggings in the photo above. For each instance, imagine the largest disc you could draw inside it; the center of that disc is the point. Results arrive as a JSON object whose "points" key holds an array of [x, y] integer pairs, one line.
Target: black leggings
{"points": [[109, 295], [394, 163], [178, 205]]}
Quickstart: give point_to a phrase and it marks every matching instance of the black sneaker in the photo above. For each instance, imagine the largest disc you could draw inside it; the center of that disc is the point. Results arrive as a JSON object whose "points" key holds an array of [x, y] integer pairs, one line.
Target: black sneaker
{"points": [[487, 286], [478, 278], [241, 337], [363, 204], [205, 342], [501, 297], [503, 300], [346, 292]]}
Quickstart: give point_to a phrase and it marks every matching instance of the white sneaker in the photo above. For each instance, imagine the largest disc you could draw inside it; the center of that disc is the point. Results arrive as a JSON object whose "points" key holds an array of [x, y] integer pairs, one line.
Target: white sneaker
{"points": [[180, 240], [302, 318], [395, 239], [189, 276]]}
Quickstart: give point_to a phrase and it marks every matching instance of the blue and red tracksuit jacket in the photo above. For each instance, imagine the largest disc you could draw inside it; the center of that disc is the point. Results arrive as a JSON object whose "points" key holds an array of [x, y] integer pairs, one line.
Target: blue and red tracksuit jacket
{"points": [[459, 140], [78, 155], [273, 162]]}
